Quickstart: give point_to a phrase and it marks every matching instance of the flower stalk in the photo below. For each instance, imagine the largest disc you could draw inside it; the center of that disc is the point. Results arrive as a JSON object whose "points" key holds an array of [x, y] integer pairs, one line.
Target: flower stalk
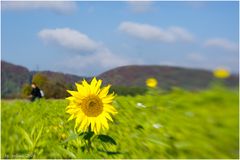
{"points": [[89, 142]]}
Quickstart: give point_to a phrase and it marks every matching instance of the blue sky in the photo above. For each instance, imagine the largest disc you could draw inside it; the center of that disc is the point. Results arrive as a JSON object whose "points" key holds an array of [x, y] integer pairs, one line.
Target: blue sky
{"points": [[88, 38]]}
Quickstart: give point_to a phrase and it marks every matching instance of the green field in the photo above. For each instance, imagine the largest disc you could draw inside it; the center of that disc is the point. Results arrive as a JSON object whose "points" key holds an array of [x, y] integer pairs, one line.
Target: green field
{"points": [[176, 124]]}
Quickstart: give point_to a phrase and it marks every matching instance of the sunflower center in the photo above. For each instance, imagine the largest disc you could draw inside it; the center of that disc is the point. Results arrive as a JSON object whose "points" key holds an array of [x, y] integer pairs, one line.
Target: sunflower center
{"points": [[92, 106]]}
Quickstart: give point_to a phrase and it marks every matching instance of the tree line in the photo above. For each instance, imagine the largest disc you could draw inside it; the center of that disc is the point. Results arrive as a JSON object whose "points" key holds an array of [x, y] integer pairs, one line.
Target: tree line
{"points": [[56, 89]]}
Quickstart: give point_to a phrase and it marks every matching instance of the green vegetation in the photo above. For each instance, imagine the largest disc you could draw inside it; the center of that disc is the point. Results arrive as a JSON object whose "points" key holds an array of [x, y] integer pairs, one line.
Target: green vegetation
{"points": [[132, 91], [26, 90], [174, 124], [53, 88], [14, 79]]}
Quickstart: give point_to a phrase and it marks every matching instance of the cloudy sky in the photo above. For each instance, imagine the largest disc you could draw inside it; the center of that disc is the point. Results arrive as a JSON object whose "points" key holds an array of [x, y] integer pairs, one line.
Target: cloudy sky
{"points": [[88, 38]]}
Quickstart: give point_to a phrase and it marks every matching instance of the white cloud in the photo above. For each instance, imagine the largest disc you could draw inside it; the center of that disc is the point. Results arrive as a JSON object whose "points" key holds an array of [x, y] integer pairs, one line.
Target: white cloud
{"points": [[103, 58], [107, 59], [57, 6], [140, 6], [94, 64], [221, 43], [99, 57], [180, 33], [68, 38], [153, 33]]}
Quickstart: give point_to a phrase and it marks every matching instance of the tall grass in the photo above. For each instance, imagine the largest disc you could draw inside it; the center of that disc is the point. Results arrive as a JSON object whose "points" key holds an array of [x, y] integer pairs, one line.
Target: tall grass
{"points": [[176, 124]]}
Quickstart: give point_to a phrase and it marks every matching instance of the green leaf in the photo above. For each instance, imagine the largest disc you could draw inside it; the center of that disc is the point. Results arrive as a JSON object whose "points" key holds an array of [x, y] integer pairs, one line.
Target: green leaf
{"points": [[71, 137], [81, 134], [26, 137], [38, 135], [139, 127], [32, 132], [106, 139], [63, 151], [88, 135], [83, 148]]}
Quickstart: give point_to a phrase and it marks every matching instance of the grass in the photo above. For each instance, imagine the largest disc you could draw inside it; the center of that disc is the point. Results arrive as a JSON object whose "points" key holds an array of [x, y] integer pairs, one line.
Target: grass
{"points": [[176, 124]]}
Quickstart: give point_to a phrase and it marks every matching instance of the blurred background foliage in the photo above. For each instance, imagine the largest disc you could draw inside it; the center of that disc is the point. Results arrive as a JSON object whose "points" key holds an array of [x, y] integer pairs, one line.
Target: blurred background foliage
{"points": [[54, 89], [126, 80], [50, 87]]}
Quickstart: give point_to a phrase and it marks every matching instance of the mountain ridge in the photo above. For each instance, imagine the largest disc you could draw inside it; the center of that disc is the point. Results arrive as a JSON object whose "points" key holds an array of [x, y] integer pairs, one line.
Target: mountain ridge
{"points": [[167, 76], [14, 76]]}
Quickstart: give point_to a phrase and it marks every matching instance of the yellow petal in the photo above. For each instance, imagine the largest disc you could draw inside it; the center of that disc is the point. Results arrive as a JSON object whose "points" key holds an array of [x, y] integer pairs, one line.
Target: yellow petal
{"points": [[98, 127], [71, 117], [71, 98], [93, 82], [99, 83], [85, 83], [104, 122], [108, 116], [95, 130], [84, 125], [75, 94], [79, 87], [104, 91], [95, 89], [69, 111], [78, 121], [73, 110], [71, 106], [108, 99], [87, 87], [110, 108], [82, 90], [93, 85]]}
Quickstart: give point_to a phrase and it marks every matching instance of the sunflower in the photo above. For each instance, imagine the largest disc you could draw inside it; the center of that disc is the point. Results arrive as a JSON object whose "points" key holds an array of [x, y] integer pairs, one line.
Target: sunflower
{"points": [[221, 73], [151, 82], [91, 106]]}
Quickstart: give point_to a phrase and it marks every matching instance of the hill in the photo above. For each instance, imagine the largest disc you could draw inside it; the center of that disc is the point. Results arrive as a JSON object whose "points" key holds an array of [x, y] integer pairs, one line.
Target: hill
{"points": [[167, 77], [14, 76]]}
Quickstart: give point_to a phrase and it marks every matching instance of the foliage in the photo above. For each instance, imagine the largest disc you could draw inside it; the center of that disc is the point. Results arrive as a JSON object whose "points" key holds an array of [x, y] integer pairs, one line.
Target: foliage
{"points": [[26, 90], [174, 124], [12, 79], [52, 88], [14, 76], [40, 79], [132, 91]]}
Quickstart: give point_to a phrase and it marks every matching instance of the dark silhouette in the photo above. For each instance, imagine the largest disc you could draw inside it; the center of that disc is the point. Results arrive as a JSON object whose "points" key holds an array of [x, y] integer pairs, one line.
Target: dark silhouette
{"points": [[35, 92]]}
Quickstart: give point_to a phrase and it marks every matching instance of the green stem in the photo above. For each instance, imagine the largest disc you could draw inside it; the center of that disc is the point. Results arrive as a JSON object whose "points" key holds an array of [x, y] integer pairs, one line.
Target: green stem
{"points": [[89, 143]]}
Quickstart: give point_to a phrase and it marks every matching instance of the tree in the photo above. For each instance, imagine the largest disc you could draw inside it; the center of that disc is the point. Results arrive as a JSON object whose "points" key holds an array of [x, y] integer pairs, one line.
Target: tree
{"points": [[26, 90], [53, 87], [40, 80]]}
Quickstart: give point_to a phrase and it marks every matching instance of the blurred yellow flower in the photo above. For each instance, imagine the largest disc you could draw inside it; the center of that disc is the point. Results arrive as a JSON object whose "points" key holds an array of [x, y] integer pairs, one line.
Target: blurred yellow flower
{"points": [[63, 136], [151, 82], [91, 106], [55, 128], [221, 73]]}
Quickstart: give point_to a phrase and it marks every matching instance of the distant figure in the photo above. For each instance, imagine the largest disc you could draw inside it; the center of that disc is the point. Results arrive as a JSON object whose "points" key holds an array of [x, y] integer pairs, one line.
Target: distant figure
{"points": [[36, 93]]}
